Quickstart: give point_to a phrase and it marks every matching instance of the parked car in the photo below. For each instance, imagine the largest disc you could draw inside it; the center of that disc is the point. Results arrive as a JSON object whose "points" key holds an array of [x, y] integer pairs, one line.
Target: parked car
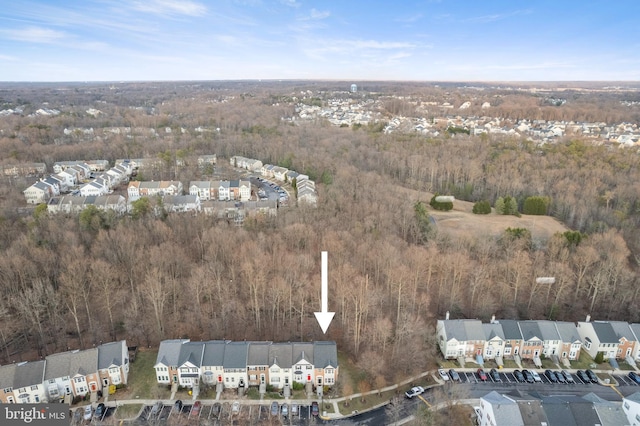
{"points": [[536, 376], [314, 409], [551, 376], [100, 411], [195, 410], [443, 374], [294, 409], [567, 376], [454, 375], [560, 377], [583, 376], [528, 376], [88, 412], [414, 391], [592, 376], [235, 407], [284, 410], [633, 376], [518, 375], [495, 376], [156, 408], [482, 375], [274, 408], [177, 406]]}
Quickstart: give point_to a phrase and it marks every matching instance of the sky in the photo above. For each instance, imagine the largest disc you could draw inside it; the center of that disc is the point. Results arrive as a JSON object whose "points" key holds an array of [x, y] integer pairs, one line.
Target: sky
{"points": [[430, 40]]}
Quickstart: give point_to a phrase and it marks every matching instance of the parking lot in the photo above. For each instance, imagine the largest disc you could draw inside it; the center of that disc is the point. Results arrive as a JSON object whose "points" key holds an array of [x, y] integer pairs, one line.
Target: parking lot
{"points": [[508, 377], [220, 413]]}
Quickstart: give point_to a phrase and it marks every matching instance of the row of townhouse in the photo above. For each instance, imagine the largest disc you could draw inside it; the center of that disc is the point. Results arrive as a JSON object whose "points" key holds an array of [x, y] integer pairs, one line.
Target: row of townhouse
{"points": [[246, 163], [24, 169], [496, 409], [469, 338], [69, 204], [137, 189], [239, 364], [222, 190], [66, 374], [235, 213], [69, 174], [306, 188]]}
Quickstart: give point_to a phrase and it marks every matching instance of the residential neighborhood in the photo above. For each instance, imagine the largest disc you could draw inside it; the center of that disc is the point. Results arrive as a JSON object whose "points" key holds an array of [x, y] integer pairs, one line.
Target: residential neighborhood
{"points": [[78, 184], [473, 341], [63, 376]]}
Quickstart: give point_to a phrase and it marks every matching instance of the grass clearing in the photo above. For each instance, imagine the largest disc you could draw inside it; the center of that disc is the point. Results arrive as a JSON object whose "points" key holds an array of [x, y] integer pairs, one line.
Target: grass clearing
{"points": [[128, 411], [356, 404], [142, 379], [584, 362]]}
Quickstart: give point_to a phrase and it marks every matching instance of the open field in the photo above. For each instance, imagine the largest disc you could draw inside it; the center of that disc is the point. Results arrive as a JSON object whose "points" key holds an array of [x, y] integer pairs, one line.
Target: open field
{"points": [[461, 221]]}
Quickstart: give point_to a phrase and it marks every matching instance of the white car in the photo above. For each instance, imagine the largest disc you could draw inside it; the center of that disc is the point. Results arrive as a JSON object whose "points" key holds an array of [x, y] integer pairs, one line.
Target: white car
{"points": [[536, 376], [443, 374], [414, 391], [88, 412]]}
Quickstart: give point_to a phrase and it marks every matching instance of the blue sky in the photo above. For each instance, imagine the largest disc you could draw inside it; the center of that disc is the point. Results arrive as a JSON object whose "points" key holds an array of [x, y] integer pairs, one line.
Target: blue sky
{"points": [[474, 40]]}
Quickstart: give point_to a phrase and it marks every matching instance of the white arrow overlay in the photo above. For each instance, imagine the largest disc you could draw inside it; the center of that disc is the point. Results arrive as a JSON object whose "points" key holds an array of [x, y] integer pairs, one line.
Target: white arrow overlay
{"points": [[324, 318]]}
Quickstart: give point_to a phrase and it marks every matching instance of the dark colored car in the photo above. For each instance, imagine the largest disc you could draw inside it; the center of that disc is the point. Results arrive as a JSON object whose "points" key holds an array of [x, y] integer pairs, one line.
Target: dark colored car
{"points": [[519, 376], [495, 376], [314, 408], [482, 375], [528, 376], [454, 375], [560, 377], [592, 376], [583, 376], [100, 411], [633, 376], [551, 376], [178, 406]]}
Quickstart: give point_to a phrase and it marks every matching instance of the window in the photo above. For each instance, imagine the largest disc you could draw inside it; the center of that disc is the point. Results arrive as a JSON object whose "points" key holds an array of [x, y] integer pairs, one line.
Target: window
{"points": [[78, 380], [252, 377], [262, 368], [328, 380], [7, 390], [309, 367], [34, 388], [275, 379], [329, 370]]}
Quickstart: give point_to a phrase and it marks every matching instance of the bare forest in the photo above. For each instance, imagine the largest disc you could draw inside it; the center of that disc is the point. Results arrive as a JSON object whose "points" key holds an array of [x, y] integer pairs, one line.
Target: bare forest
{"points": [[70, 282]]}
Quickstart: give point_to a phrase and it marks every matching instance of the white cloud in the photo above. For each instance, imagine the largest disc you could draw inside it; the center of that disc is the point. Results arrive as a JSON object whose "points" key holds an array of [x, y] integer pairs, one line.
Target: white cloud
{"points": [[409, 19], [171, 7], [290, 3], [35, 35], [485, 19], [317, 14], [8, 58]]}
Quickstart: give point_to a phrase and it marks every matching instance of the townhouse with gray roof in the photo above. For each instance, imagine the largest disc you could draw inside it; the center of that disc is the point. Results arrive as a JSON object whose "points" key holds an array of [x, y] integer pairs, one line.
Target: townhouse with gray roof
{"points": [[238, 364], [460, 338], [28, 381], [113, 363]]}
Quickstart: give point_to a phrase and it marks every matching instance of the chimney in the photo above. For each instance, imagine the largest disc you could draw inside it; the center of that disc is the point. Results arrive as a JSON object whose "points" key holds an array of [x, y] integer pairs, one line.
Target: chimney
{"points": [[588, 318], [493, 319], [446, 316]]}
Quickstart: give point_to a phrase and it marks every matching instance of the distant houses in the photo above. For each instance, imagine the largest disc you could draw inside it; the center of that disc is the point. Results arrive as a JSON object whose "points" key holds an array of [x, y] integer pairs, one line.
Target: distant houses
{"points": [[65, 375], [471, 339]]}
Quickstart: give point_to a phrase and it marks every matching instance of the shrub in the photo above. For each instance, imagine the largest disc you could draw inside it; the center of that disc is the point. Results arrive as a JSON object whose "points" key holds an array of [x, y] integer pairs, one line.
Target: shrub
{"points": [[445, 207], [482, 207], [507, 205], [298, 386], [599, 359], [536, 205]]}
